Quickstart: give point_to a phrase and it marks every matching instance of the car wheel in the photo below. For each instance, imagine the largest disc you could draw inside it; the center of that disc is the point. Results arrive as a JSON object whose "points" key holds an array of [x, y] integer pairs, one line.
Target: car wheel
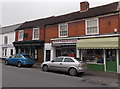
{"points": [[45, 68], [19, 64], [6, 62], [72, 71]]}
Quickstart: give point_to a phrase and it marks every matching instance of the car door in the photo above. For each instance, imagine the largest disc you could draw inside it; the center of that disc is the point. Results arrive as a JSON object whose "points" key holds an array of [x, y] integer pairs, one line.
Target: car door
{"points": [[56, 64], [15, 59], [10, 59], [67, 63]]}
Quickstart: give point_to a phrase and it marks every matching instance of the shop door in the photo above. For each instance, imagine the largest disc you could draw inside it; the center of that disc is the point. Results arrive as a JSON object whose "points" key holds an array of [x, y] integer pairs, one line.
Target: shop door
{"points": [[111, 61], [39, 55], [48, 52]]}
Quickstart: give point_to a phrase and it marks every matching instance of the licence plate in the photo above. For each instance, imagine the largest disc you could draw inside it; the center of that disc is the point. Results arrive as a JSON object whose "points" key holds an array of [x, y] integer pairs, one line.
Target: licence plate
{"points": [[29, 60]]}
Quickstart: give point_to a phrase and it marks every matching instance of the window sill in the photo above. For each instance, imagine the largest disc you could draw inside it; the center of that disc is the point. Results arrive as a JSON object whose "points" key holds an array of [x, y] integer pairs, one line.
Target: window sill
{"points": [[35, 39]]}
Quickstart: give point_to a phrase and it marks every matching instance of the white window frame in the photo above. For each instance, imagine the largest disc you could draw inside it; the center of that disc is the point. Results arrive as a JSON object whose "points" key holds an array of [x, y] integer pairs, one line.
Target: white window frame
{"points": [[20, 31], [59, 30], [86, 22], [34, 34]]}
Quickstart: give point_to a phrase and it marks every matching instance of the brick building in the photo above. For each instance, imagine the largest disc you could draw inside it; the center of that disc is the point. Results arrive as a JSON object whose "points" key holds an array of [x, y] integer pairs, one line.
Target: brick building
{"points": [[91, 34]]}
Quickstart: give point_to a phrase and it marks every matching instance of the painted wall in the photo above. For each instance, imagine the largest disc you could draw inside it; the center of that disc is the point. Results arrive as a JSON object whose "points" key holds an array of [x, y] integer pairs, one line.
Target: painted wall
{"points": [[9, 45], [48, 46], [0, 45]]}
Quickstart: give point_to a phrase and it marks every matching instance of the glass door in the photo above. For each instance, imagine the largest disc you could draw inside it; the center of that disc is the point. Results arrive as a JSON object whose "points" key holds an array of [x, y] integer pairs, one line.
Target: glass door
{"points": [[111, 60]]}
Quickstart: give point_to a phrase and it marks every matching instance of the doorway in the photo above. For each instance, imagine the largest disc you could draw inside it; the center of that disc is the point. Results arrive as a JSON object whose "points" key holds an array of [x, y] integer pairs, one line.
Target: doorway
{"points": [[39, 55], [111, 60], [48, 52]]}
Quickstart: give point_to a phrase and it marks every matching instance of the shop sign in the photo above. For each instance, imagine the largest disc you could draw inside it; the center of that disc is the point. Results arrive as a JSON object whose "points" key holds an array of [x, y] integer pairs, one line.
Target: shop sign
{"points": [[8, 45], [36, 44], [64, 41]]}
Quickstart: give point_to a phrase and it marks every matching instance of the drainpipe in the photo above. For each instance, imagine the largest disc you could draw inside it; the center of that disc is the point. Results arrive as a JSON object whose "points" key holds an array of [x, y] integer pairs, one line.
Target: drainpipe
{"points": [[118, 55], [44, 52]]}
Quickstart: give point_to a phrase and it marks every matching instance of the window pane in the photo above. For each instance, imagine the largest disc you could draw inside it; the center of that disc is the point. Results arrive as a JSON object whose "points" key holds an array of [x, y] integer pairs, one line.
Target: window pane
{"points": [[68, 60], [36, 33], [63, 30], [92, 26], [58, 59]]}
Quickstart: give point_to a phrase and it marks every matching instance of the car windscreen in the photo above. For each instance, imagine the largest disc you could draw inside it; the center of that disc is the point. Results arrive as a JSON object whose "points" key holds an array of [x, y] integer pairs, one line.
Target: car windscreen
{"points": [[27, 56]]}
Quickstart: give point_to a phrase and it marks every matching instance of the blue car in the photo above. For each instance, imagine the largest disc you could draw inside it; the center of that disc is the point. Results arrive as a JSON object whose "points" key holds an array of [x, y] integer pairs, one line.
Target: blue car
{"points": [[20, 60]]}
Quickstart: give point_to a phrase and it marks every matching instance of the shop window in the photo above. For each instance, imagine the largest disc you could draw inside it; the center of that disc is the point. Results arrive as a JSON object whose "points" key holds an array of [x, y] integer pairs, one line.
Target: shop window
{"points": [[92, 27], [93, 55], [35, 33], [35, 53], [20, 35], [63, 30], [67, 51], [5, 40]]}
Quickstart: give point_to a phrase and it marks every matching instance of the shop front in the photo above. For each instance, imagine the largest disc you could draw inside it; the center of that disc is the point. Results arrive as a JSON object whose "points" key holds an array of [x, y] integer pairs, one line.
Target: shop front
{"points": [[33, 48], [101, 54], [65, 47]]}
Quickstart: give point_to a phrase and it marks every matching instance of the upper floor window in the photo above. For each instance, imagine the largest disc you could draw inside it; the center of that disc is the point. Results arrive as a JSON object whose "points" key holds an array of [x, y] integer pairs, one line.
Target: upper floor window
{"points": [[20, 35], [5, 40], [35, 33], [92, 27], [63, 30]]}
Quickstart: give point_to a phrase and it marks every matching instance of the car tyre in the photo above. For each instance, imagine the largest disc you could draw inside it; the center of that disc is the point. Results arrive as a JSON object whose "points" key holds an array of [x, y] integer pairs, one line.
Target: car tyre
{"points": [[45, 68], [72, 71], [19, 64], [6, 62]]}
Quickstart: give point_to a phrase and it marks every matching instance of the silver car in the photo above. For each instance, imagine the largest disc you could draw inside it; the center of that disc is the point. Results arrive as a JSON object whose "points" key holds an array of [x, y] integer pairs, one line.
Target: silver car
{"points": [[65, 64]]}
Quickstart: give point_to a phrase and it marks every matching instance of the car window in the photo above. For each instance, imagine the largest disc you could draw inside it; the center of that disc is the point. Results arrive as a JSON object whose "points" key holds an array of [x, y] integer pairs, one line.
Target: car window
{"points": [[17, 56], [20, 56], [13, 56], [58, 60], [68, 60], [26, 56]]}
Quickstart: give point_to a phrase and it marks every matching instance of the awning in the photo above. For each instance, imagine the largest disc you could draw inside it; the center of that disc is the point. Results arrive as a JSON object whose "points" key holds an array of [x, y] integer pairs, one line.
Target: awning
{"points": [[99, 43]]}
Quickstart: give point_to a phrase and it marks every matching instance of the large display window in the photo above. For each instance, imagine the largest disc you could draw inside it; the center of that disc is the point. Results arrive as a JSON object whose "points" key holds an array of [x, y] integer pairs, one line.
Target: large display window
{"points": [[93, 55]]}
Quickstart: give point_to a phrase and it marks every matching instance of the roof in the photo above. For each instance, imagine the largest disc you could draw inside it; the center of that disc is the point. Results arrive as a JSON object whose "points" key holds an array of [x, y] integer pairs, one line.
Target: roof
{"points": [[8, 29], [91, 12]]}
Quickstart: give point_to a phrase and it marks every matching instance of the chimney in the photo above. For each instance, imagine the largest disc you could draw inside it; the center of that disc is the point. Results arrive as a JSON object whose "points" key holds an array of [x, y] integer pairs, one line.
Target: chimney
{"points": [[84, 6]]}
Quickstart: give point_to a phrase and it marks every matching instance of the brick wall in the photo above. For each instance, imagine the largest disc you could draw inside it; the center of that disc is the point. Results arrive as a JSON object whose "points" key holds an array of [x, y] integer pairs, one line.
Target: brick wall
{"points": [[108, 24]]}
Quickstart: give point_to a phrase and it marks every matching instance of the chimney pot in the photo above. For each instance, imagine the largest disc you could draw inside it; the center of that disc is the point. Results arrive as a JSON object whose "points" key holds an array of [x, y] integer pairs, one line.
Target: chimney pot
{"points": [[84, 6]]}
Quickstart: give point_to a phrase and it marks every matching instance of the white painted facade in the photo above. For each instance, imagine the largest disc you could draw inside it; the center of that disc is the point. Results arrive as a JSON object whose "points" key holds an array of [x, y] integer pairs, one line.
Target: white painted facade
{"points": [[48, 46], [7, 37], [9, 46], [0, 44]]}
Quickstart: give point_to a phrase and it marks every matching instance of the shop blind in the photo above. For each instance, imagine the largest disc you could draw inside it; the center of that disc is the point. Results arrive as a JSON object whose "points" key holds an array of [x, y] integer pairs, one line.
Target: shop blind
{"points": [[99, 43]]}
